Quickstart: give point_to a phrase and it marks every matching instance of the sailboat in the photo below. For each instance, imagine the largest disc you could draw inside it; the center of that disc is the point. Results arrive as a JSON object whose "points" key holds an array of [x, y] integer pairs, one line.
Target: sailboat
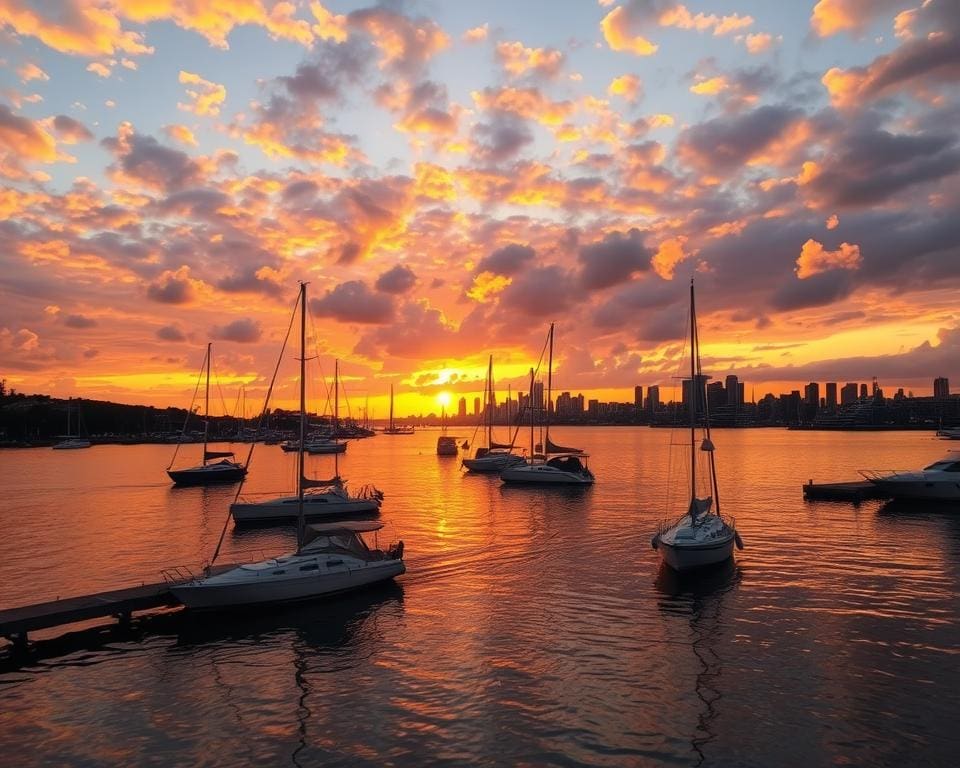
{"points": [[555, 465], [330, 558], [330, 444], [209, 472], [325, 498], [71, 442], [394, 428], [702, 536], [493, 457], [446, 444]]}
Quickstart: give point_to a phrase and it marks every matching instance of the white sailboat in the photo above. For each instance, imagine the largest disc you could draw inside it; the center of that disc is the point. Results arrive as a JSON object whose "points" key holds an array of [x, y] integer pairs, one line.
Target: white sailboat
{"points": [[327, 445], [325, 499], [209, 472], [554, 465], [329, 559], [493, 457], [71, 441], [702, 536]]}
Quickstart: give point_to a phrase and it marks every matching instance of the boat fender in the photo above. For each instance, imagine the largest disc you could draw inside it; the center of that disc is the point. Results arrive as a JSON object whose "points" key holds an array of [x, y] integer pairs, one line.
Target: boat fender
{"points": [[738, 540], [655, 540]]}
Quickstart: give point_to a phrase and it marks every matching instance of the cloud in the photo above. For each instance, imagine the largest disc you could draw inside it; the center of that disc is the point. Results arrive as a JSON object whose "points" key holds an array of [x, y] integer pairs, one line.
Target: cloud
{"points": [[405, 44], [244, 331], [630, 87], [502, 138], [180, 133], [22, 139], [205, 96], [79, 321], [476, 34], [617, 26], [354, 302], [142, 158], [814, 258], [71, 131], [668, 256], [833, 221], [329, 26], [171, 333], [832, 16], [528, 103], [819, 290], [172, 287], [540, 292], [679, 16], [419, 332], [517, 60], [397, 280], [613, 260], [507, 261], [29, 71]]}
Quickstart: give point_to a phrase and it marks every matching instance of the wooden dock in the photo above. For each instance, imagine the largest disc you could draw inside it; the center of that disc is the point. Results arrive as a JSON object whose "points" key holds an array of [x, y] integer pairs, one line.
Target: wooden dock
{"points": [[856, 491], [16, 623]]}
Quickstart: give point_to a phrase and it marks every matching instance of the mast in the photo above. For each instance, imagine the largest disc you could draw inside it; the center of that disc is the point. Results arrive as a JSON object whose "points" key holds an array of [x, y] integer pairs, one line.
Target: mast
{"points": [[391, 407], [206, 407], [546, 439], [531, 416], [490, 403], [694, 394], [303, 411], [336, 416]]}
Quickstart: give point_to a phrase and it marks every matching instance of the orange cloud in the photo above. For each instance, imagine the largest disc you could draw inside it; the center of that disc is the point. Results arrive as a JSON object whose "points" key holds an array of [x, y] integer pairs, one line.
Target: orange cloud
{"points": [[30, 71], [832, 16], [616, 31], [476, 34], [759, 42], [814, 259], [518, 60], [329, 26], [21, 139], [205, 97], [405, 44], [833, 222], [99, 69], [529, 103], [181, 134], [668, 255], [680, 16], [628, 86], [709, 86]]}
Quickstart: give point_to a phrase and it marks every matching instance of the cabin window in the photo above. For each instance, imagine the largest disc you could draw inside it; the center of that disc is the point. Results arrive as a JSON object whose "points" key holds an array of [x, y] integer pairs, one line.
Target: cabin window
{"points": [[955, 467], [331, 563], [311, 567], [279, 573]]}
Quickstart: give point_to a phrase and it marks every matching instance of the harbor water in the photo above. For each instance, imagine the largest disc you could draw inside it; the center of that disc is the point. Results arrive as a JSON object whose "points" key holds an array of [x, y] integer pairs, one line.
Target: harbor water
{"points": [[533, 627]]}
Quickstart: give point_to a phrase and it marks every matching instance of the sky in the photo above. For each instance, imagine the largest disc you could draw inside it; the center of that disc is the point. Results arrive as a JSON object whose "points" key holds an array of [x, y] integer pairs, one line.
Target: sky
{"points": [[451, 177]]}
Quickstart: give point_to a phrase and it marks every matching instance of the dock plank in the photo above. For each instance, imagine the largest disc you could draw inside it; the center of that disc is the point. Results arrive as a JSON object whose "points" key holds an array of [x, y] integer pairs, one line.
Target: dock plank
{"points": [[853, 491]]}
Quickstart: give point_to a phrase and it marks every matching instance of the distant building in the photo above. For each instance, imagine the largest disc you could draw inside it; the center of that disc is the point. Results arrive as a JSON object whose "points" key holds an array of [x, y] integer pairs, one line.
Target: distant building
{"points": [[593, 407], [701, 392], [831, 399], [462, 408], [941, 388], [734, 391], [653, 398], [848, 393], [578, 404], [638, 396], [716, 396], [863, 392], [811, 394], [538, 395]]}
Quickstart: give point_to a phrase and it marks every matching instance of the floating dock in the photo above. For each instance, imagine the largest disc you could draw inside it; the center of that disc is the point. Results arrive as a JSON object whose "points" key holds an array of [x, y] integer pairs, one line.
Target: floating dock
{"points": [[856, 491], [16, 623]]}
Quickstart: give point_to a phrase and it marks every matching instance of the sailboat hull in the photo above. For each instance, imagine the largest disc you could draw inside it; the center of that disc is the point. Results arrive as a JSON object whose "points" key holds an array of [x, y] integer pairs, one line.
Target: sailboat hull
{"points": [[72, 444], [272, 586], [323, 448], [315, 507], [493, 463], [688, 558], [212, 474], [544, 474]]}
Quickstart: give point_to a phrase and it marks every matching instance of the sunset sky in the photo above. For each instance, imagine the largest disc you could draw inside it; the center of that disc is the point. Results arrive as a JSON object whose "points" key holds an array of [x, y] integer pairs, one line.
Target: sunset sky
{"points": [[450, 177]]}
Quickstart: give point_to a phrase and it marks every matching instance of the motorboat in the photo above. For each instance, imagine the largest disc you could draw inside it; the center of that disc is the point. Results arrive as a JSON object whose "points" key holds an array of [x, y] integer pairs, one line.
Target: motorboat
{"points": [[206, 473], [447, 446], [701, 537], [938, 481], [949, 433], [493, 456], [325, 447], [552, 464], [331, 558]]}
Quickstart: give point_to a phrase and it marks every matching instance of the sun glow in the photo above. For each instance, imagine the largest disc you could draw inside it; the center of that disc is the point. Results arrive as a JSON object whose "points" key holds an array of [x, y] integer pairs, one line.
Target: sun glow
{"points": [[444, 399]]}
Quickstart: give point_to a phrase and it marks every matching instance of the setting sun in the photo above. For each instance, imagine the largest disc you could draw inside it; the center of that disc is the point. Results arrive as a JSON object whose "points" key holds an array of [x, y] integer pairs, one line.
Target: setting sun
{"points": [[444, 399]]}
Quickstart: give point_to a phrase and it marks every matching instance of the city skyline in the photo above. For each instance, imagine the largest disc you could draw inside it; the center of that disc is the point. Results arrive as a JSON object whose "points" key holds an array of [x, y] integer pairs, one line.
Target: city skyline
{"points": [[451, 178]]}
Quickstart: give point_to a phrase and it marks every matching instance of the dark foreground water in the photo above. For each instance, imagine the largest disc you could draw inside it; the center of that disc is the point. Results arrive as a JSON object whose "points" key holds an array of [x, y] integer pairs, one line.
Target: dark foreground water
{"points": [[533, 626]]}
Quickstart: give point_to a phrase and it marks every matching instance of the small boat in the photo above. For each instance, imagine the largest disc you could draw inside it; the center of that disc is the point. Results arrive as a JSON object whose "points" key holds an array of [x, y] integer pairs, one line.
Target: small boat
{"points": [[940, 481], [331, 558], [447, 446], [492, 457], [949, 433], [70, 441], [702, 536], [325, 447], [554, 465], [393, 428], [208, 472]]}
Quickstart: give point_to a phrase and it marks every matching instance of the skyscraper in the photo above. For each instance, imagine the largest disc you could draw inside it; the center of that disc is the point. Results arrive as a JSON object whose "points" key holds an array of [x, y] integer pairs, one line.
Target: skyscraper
{"points": [[638, 396], [476, 406], [462, 408], [848, 393], [653, 398], [831, 394], [941, 387], [538, 395], [734, 391], [811, 394], [863, 392]]}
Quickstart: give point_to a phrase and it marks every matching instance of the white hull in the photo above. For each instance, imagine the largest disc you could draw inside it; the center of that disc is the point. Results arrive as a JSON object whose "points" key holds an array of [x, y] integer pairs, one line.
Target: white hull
{"points": [[314, 508], [72, 444], [496, 463], [543, 474], [689, 558], [322, 448], [267, 588], [920, 489]]}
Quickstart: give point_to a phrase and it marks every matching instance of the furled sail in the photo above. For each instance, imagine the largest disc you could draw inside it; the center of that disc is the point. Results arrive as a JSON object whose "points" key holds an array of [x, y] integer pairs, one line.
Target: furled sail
{"points": [[552, 447], [306, 482], [207, 455]]}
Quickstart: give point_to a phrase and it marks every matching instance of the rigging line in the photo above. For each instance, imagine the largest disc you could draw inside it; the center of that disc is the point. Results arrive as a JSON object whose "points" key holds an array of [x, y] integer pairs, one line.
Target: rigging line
{"points": [[186, 420], [263, 414]]}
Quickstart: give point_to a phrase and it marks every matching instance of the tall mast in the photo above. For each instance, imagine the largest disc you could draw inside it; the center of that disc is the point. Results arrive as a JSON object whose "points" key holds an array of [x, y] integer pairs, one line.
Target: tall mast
{"points": [[694, 394], [531, 415], [546, 439], [303, 410], [391, 407], [336, 416], [490, 403], [206, 407]]}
